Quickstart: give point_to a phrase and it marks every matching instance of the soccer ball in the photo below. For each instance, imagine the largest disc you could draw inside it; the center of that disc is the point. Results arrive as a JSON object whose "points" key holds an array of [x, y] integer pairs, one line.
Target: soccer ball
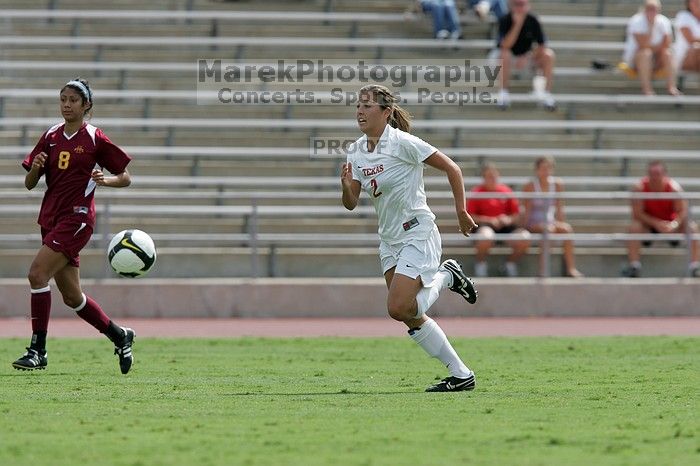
{"points": [[131, 253]]}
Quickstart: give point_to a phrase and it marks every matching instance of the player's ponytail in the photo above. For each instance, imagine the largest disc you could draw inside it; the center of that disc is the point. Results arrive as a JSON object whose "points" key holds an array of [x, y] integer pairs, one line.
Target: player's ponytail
{"points": [[399, 117]]}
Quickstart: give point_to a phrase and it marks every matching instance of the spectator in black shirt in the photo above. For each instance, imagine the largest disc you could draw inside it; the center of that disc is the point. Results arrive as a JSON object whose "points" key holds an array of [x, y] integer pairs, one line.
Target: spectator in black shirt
{"points": [[517, 32]]}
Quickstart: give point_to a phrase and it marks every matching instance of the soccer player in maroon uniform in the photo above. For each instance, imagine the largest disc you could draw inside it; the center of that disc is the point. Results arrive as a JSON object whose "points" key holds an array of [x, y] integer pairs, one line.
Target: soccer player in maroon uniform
{"points": [[71, 156]]}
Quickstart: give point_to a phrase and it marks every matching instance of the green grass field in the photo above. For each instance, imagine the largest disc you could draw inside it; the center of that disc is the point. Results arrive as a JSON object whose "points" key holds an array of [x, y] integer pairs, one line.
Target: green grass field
{"points": [[324, 401]]}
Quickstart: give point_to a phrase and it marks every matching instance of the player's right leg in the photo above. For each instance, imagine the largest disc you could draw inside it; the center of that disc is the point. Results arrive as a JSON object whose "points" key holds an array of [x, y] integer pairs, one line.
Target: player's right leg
{"points": [[483, 247], [402, 306], [634, 251], [461, 283], [68, 282], [44, 266]]}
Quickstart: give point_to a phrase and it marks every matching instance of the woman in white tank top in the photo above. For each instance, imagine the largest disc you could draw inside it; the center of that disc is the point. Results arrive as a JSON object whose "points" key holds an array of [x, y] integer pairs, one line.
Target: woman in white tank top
{"points": [[548, 214]]}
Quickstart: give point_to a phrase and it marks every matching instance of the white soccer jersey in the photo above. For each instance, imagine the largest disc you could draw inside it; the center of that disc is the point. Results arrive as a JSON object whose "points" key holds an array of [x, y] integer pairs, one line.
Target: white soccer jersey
{"points": [[392, 177]]}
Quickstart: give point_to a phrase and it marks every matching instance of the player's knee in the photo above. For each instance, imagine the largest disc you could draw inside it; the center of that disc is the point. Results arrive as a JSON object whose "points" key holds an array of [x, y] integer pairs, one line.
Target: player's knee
{"points": [[37, 278], [486, 232], [484, 246], [646, 54], [636, 227], [72, 300], [521, 245], [400, 311], [522, 236], [564, 228], [550, 56]]}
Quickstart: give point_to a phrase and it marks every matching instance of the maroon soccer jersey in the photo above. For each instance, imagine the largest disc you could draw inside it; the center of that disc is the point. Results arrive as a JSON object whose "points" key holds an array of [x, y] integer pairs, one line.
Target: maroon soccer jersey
{"points": [[68, 170]]}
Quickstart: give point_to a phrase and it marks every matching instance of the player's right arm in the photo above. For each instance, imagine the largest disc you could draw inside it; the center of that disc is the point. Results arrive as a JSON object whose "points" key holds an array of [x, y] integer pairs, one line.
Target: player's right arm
{"points": [[351, 187], [510, 37], [527, 203], [32, 177]]}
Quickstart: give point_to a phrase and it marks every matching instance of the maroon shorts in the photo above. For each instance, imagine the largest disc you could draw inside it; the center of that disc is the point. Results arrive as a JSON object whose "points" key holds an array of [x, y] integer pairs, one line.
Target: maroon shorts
{"points": [[69, 236]]}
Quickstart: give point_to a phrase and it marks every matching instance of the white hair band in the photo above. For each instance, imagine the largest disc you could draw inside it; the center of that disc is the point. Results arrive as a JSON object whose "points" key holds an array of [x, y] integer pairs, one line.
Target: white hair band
{"points": [[83, 89]]}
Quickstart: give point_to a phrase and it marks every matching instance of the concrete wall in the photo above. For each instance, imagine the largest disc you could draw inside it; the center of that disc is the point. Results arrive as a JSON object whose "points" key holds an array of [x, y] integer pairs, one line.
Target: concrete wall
{"points": [[360, 297], [346, 262]]}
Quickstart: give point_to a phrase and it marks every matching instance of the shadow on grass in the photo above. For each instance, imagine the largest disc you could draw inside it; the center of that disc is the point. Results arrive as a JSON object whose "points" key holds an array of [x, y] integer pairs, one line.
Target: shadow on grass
{"points": [[340, 392]]}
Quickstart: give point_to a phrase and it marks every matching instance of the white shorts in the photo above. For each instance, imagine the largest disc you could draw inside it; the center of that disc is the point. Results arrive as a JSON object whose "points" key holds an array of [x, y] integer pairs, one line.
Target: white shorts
{"points": [[419, 257]]}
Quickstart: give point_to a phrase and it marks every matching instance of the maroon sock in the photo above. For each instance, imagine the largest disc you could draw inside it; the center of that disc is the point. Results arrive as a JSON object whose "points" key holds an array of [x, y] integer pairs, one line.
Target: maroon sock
{"points": [[41, 308], [40, 311], [92, 314]]}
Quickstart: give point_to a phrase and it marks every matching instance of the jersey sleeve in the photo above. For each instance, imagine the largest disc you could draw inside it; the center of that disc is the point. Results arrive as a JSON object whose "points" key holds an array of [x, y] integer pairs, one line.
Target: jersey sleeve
{"points": [[109, 155], [538, 31], [504, 25], [684, 20], [666, 26], [637, 25], [414, 149], [40, 147]]}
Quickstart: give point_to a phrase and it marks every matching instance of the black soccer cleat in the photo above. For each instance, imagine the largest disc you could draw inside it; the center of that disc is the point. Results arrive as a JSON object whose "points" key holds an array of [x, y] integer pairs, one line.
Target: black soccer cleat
{"points": [[460, 282], [123, 349], [31, 360], [453, 384]]}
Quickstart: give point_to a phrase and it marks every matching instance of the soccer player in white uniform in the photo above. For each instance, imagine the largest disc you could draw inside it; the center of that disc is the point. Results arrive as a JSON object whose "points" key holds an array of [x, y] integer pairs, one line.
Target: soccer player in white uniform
{"points": [[387, 163]]}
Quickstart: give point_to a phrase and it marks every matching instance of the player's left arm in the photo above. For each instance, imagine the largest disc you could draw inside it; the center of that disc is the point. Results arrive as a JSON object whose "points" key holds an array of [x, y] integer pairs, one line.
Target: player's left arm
{"points": [[114, 159], [454, 175], [559, 210], [680, 206], [121, 180]]}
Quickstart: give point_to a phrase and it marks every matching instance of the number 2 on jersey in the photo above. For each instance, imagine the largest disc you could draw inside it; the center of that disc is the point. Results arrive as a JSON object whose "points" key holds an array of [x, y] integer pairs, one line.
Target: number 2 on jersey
{"points": [[63, 159], [375, 187]]}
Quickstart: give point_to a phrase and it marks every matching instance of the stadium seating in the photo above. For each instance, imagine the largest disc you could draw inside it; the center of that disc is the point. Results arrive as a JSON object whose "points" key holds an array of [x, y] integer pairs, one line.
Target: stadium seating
{"points": [[211, 162]]}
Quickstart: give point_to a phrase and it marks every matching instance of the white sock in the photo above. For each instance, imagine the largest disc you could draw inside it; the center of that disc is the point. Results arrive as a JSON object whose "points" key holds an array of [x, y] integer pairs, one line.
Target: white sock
{"points": [[429, 294], [81, 305], [432, 339]]}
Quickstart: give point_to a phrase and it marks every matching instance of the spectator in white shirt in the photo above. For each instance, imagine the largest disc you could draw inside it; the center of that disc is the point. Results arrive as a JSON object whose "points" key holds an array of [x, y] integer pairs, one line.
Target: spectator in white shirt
{"points": [[687, 48], [648, 47]]}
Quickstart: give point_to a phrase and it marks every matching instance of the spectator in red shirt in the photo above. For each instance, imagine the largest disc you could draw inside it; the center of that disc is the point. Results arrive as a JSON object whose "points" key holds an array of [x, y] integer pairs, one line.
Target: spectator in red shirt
{"points": [[496, 215], [659, 216]]}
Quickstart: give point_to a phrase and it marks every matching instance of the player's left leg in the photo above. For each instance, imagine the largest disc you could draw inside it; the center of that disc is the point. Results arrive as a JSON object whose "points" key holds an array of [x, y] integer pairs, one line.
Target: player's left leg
{"points": [[664, 63], [694, 265], [403, 306], [68, 282], [414, 285]]}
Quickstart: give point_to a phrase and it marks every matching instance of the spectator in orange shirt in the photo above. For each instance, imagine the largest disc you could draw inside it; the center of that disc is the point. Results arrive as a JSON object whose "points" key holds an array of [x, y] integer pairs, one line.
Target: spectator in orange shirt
{"points": [[659, 216], [496, 215]]}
